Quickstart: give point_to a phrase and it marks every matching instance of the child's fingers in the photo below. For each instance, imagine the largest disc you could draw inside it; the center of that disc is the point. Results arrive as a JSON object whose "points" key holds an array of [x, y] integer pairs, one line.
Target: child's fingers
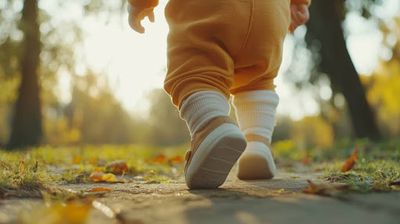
{"points": [[135, 19], [135, 23], [151, 16]]}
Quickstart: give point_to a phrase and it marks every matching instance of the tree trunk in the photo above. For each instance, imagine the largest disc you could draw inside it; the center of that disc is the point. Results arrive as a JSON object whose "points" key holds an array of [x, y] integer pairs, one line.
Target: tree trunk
{"points": [[325, 27], [27, 120]]}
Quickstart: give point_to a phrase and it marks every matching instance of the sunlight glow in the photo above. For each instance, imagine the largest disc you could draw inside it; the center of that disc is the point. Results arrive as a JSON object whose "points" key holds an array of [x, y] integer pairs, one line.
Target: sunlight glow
{"points": [[135, 63]]}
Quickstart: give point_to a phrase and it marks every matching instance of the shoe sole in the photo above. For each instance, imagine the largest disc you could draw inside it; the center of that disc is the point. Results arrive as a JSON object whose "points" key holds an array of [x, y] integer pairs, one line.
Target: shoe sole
{"points": [[215, 157], [254, 167]]}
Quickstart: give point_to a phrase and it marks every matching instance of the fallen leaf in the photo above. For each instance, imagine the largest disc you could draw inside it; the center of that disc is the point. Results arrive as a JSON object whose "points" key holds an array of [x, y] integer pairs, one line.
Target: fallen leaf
{"points": [[76, 211], [110, 178], [76, 159], [98, 176], [351, 160], [117, 167], [324, 189], [160, 158], [312, 188], [176, 160], [99, 190]]}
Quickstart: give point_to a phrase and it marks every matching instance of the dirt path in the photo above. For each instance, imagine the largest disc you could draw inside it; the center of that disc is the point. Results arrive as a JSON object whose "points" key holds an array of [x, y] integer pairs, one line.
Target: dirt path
{"points": [[276, 201]]}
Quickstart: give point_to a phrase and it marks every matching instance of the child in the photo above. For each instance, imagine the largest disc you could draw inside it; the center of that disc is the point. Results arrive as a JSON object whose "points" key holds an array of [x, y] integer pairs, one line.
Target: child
{"points": [[217, 48]]}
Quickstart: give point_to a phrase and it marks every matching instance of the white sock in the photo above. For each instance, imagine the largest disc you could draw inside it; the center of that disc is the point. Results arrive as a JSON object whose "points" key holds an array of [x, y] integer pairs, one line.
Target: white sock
{"points": [[202, 106], [255, 112]]}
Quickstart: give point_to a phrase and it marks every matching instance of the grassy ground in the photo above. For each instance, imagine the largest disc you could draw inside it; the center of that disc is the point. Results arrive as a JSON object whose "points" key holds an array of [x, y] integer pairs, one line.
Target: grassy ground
{"points": [[27, 173], [377, 166], [35, 169]]}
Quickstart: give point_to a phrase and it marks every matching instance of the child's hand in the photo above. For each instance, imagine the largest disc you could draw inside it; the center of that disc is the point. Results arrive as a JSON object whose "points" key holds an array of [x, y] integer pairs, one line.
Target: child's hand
{"points": [[299, 15], [138, 10]]}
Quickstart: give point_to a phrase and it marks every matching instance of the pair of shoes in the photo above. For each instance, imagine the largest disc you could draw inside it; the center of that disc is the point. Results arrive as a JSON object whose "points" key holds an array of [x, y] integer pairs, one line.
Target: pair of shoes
{"points": [[214, 150]]}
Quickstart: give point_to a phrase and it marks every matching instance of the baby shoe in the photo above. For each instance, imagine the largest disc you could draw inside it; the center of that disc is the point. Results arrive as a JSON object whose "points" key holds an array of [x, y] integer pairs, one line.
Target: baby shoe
{"points": [[214, 150], [256, 161]]}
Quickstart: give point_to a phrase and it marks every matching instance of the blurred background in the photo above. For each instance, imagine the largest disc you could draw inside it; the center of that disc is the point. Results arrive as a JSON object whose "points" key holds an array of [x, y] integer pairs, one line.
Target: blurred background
{"points": [[74, 73]]}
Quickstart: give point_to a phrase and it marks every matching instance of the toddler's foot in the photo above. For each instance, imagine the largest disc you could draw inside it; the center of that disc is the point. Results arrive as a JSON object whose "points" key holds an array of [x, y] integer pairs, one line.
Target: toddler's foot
{"points": [[256, 162], [214, 150]]}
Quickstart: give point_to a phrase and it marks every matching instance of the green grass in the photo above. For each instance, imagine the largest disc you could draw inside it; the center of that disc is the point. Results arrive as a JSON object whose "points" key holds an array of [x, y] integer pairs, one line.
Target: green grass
{"points": [[378, 164], [366, 176], [34, 169]]}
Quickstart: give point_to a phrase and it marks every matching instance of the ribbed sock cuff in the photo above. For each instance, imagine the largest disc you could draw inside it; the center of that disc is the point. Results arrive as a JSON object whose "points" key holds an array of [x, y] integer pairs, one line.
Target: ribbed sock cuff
{"points": [[255, 111], [202, 106]]}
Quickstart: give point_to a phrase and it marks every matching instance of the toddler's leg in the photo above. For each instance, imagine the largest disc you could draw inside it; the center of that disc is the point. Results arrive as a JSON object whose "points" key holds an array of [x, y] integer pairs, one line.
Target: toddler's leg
{"points": [[217, 142], [255, 101], [255, 111], [204, 38]]}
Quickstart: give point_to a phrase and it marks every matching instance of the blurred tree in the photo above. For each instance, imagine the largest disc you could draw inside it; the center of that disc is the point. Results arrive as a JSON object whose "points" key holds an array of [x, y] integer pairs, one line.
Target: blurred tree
{"points": [[27, 121], [167, 128], [283, 129], [94, 115], [383, 93], [25, 47], [312, 132], [325, 37]]}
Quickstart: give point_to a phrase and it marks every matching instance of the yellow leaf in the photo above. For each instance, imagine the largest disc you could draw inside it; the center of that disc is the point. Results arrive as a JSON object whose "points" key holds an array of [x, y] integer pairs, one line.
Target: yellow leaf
{"points": [[72, 212], [98, 176], [109, 177]]}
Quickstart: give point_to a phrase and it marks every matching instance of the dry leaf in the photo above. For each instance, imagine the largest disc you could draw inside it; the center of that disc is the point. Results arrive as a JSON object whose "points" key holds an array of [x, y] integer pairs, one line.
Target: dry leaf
{"points": [[117, 167], [351, 161], [76, 211], [100, 190], [312, 188], [76, 159], [324, 189], [160, 158], [176, 160], [97, 176]]}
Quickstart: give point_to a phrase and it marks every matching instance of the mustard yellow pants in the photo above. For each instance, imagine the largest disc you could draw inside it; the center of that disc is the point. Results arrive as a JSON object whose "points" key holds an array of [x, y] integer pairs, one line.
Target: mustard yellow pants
{"points": [[229, 46]]}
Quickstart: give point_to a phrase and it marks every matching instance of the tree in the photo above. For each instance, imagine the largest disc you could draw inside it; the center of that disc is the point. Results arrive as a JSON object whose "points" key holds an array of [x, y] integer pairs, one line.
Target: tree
{"points": [[50, 46], [27, 121], [325, 29], [95, 115], [167, 128]]}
